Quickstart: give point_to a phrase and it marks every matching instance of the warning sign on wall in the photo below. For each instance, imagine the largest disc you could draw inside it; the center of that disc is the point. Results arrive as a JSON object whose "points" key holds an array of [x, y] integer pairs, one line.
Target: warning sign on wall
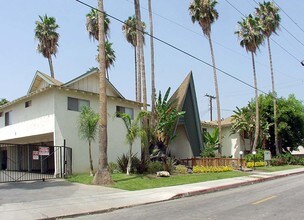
{"points": [[35, 155], [44, 151]]}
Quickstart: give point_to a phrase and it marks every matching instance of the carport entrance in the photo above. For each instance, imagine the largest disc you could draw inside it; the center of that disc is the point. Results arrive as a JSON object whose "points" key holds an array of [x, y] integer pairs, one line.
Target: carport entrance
{"points": [[34, 162]]}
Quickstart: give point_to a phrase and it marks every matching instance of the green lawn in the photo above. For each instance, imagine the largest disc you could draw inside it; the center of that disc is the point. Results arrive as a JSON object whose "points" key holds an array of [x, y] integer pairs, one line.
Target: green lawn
{"points": [[138, 182], [278, 168]]}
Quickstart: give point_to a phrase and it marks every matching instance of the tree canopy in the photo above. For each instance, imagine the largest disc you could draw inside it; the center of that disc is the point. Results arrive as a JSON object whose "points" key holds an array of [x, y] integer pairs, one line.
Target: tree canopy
{"points": [[290, 122]]}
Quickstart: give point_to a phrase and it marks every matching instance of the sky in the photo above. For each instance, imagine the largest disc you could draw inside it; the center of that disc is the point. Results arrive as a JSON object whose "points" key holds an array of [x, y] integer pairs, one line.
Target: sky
{"points": [[19, 59]]}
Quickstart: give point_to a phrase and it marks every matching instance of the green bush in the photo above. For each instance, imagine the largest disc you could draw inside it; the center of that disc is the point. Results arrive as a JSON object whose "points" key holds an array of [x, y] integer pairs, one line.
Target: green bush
{"points": [[113, 167], [277, 161], [154, 167], [208, 152], [169, 164], [181, 169], [258, 157]]}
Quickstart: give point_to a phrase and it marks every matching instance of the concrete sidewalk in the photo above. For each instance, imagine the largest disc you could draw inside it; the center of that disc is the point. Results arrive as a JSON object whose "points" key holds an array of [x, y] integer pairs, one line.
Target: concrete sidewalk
{"points": [[58, 198]]}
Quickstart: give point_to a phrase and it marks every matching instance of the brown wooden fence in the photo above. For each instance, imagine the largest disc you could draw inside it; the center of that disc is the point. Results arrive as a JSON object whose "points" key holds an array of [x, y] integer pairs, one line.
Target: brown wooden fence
{"points": [[235, 163]]}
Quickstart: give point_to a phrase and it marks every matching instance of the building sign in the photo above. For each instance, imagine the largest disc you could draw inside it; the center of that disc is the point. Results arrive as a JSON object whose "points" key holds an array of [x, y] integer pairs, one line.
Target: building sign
{"points": [[267, 155], [44, 151], [35, 155]]}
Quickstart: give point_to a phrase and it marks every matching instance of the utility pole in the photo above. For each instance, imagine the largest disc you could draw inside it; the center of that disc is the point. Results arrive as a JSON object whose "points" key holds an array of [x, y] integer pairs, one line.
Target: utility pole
{"points": [[210, 104]]}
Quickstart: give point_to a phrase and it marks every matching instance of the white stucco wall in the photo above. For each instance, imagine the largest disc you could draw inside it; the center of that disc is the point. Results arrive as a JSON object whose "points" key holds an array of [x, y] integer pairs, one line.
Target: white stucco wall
{"points": [[180, 146], [35, 120], [66, 127]]}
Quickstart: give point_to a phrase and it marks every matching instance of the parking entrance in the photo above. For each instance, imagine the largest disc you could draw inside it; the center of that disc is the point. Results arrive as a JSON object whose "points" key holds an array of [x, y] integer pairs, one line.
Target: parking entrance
{"points": [[34, 162]]}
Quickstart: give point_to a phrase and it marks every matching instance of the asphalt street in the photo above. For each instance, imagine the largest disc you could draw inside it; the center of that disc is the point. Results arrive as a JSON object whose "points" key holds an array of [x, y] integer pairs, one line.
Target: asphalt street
{"points": [[277, 199]]}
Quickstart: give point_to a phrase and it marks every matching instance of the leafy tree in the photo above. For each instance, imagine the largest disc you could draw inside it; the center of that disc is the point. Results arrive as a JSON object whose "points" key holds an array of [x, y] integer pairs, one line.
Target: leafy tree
{"points": [[290, 126], [251, 38], [88, 124], [129, 29], [166, 117], [204, 13], [3, 101], [211, 142], [48, 37], [244, 123], [102, 176], [270, 21], [133, 132]]}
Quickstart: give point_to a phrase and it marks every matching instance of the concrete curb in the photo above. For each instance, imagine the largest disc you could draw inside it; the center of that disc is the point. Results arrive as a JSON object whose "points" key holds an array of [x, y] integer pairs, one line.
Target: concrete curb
{"points": [[230, 186], [181, 195]]}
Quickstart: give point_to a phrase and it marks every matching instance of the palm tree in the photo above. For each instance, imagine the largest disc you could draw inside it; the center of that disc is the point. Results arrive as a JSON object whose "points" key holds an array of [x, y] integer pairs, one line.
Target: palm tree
{"points": [[251, 38], [102, 175], [110, 57], [87, 129], [204, 13], [140, 56], [92, 24], [129, 29], [48, 37], [133, 132], [152, 64], [93, 29], [270, 21]]}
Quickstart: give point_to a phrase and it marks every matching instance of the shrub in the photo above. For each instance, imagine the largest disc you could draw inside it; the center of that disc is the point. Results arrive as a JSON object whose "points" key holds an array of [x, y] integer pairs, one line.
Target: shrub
{"points": [[211, 169], [154, 167], [113, 167], [258, 157], [208, 152], [169, 164], [122, 163], [181, 169], [257, 164], [277, 161]]}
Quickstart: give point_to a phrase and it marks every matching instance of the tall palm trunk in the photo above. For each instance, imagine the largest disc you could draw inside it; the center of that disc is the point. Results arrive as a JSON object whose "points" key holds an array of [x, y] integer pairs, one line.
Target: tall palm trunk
{"points": [[102, 175], [138, 50], [91, 160], [152, 65], [142, 68], [217, 94], [274, 101], [138, 72], [135, 68], [257, 116], [51, 66], [141, 52]]}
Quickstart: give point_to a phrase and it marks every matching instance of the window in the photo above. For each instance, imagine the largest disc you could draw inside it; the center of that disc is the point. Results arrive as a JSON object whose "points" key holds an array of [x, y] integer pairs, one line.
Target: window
{"points": [[1, 114], [129, 111], [76, 104], [28, 104], [8, 118]]}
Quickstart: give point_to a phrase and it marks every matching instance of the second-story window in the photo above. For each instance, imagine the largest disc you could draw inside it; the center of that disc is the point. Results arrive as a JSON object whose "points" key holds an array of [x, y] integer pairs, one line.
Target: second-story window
{"points": [[76, 104], [8, 118]]}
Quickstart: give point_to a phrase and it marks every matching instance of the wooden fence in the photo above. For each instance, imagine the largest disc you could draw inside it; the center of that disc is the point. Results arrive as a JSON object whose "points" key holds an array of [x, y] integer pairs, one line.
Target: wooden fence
{"points": [[235, 163]]}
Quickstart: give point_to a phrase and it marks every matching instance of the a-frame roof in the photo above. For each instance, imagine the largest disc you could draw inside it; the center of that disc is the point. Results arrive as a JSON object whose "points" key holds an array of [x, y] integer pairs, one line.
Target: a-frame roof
{"points": [[41, 80], [185, 98]]}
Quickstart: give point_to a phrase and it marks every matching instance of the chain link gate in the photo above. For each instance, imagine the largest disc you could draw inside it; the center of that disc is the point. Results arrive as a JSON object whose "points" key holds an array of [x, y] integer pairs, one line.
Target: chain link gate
{"points": [[34, 162]]}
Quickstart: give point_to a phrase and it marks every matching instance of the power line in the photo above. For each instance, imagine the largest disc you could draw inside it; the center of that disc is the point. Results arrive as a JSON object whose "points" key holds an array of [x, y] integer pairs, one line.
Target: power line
{"points": [[289, 17], [270, 37], [285, 28], [175, 47]]}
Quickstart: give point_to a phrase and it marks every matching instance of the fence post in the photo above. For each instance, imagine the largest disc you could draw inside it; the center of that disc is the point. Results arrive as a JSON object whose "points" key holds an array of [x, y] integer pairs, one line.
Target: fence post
{"points": [[64, 159]]}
